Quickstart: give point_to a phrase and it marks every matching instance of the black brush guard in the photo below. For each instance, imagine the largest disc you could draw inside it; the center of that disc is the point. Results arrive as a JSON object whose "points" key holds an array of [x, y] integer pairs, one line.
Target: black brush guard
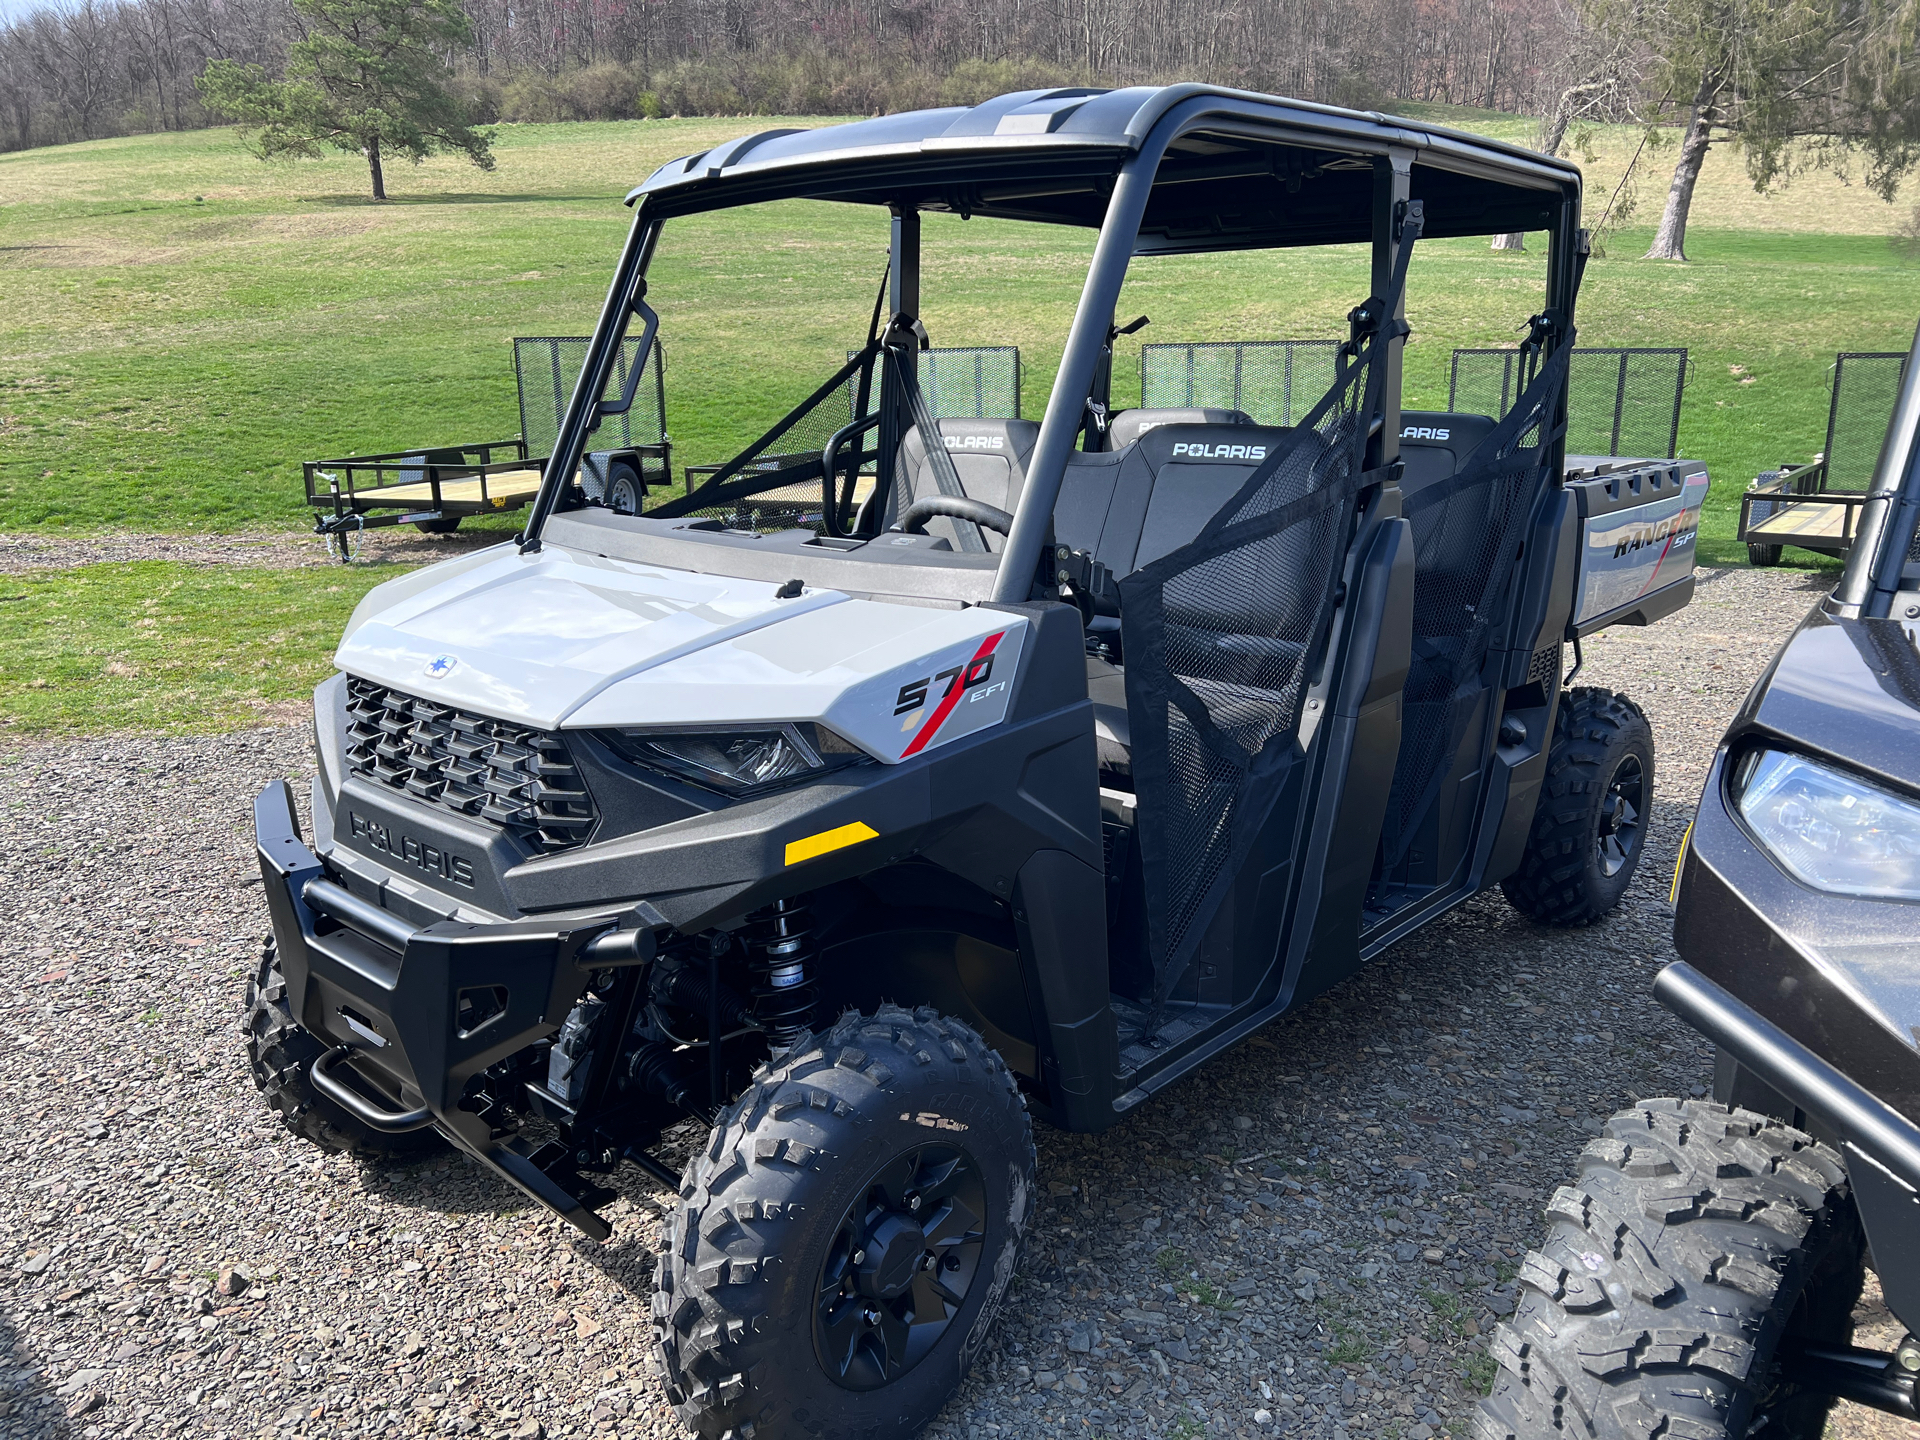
{"points": [[415, 1014]]}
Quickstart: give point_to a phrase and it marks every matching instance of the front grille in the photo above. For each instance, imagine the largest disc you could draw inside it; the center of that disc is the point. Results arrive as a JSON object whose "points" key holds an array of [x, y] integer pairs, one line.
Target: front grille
{"points": [[520, 779]]}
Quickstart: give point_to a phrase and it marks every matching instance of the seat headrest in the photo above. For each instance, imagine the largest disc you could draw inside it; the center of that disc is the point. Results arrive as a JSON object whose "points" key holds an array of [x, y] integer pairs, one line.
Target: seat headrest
{"points": [[1128, 426], [1011, 438], [1444, 429]]}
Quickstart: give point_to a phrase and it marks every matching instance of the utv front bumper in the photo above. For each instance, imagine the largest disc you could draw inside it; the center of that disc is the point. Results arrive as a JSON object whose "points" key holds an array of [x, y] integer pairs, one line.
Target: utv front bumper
{"points": [[415, 1014]]}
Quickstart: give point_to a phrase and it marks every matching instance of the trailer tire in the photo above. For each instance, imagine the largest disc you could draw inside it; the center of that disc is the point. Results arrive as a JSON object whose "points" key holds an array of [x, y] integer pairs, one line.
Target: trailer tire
{"points": [[280, 1051], [625, 492], [444, 526], [1694, 1239], [764, 1324], [1763, 556], [1589, 825]]}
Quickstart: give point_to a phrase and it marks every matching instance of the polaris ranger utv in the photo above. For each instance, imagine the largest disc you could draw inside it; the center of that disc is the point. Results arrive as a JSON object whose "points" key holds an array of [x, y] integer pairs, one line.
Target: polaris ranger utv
{"points": [[1701, 1274], [861, 817]]}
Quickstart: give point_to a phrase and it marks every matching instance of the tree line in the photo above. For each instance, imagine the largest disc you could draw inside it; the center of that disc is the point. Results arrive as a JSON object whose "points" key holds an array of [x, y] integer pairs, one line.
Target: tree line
{"points": [[1798, 83], [85, 69]]}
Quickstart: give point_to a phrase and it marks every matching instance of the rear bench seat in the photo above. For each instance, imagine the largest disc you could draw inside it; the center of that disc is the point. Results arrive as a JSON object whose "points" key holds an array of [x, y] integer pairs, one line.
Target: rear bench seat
{"points": [[1127, 426]]}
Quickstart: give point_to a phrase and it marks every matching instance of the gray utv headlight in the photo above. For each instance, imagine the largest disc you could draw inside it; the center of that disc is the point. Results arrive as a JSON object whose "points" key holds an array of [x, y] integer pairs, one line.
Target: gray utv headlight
{"points": [[1831, 830], [739, 760]]}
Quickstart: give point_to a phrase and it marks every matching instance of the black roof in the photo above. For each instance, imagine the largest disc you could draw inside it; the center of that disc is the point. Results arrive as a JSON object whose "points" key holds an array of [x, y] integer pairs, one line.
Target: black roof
{"points": [[1243, 171]]}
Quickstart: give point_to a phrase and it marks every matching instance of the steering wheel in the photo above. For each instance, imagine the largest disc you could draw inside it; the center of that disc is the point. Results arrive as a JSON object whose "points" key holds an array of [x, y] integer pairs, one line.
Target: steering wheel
{"points": [[957, 507]]}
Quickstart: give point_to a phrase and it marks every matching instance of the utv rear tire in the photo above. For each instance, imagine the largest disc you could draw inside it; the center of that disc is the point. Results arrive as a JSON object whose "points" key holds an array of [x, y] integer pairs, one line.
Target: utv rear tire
{"points": [[1590, 824], [280, 1051], [1763, 556], [1694, 1240], [764, 1324]]}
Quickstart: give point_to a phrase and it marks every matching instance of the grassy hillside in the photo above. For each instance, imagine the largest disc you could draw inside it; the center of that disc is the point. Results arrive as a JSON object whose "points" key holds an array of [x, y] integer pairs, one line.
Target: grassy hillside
{"points": [[181, 325]]}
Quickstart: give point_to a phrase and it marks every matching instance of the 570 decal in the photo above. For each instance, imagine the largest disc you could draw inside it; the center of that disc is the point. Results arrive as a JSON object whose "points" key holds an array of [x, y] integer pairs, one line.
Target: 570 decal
{"points": [[973, 679], [913, 694]]}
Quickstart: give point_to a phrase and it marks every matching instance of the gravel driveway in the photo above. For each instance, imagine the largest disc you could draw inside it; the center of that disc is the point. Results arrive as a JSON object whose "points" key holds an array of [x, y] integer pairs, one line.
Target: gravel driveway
{"points": [[1309, 1236]]}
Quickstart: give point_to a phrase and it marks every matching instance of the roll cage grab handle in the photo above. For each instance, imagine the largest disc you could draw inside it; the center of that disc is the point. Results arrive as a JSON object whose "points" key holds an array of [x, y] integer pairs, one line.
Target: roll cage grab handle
{"points": [[1065, 415]]}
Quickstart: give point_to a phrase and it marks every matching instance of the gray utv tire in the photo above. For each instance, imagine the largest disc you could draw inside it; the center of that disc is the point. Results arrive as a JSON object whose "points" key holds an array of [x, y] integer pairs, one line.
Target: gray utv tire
{"points": [[795, 1268], [1694, 1240], [1763, 556], [280, 1050], [1590, 824]]}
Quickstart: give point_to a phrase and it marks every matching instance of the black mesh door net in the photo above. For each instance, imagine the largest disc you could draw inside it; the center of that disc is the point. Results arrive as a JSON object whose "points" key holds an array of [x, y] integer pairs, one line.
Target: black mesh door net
{"points": [[1221, 638], [1466, 537]]}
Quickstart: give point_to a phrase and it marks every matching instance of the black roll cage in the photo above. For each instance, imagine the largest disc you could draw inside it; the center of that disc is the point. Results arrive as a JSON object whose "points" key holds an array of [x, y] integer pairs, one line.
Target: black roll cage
{"points": [[1111, 180], [1877, 563]]}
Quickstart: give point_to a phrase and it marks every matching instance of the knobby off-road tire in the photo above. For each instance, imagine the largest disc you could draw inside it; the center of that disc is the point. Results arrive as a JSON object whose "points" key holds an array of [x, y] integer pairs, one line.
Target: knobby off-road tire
{"points": [[1590, 824], [751, 1318], [1694, 1240], [280, 1051]]}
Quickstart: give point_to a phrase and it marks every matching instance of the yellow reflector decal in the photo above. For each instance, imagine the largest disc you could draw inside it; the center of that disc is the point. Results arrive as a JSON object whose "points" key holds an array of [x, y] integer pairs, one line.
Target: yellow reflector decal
{"points": [[828, 841], [1673, 891]]}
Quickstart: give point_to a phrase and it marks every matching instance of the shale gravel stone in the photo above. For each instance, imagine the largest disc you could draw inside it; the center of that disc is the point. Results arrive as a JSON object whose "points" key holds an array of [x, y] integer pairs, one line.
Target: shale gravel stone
{"points": [[263, 549], [1310, 1236]]}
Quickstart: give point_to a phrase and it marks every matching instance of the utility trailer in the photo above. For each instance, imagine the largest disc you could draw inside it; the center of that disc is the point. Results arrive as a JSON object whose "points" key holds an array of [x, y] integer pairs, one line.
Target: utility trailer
{"points": [[435, 489], [1071, 755], [1818, 506]]}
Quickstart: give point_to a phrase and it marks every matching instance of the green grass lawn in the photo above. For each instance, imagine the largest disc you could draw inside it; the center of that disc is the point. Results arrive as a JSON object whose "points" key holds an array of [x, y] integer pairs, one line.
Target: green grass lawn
{"points": [[163, 647], [181, 325]]}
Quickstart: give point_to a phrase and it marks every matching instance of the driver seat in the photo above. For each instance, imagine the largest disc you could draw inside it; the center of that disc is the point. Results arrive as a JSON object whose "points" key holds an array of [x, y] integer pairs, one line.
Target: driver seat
{"points": [[991, 458]]}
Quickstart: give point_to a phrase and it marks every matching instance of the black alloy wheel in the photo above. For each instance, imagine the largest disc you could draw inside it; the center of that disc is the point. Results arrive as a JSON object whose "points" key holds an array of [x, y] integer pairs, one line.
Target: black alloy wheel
{"points": [[1590, 822], [846, 1236], [900, 1266], [1620, 830]]}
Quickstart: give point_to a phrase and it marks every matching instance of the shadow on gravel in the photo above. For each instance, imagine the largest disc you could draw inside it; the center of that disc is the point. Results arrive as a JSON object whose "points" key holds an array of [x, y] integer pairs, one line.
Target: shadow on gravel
{"points": [[31, 1406]]}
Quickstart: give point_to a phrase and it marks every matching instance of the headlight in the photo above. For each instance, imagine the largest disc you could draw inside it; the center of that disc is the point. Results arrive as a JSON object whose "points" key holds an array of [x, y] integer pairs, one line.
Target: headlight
{"points": [[1831, 830], [739, 760]]}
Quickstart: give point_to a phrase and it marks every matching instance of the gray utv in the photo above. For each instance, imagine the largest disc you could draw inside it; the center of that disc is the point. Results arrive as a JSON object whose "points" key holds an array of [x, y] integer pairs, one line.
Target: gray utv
{"points": [[909, 776]]}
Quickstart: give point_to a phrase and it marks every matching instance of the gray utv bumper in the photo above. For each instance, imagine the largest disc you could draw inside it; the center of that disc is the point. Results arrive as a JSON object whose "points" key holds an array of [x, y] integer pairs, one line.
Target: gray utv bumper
{"points": [[417, 1013]]}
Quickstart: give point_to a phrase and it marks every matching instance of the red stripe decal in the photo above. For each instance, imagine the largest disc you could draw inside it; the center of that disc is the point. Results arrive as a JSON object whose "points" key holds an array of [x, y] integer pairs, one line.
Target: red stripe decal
{"points": [[1659, 562], [952, 698]]}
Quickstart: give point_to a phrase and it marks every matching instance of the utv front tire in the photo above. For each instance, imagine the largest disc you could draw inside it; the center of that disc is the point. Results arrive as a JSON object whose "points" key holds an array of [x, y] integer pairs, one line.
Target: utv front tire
{"points": [[875, 1176], [1590, 824], [1694, 1241], [281, 1052]]}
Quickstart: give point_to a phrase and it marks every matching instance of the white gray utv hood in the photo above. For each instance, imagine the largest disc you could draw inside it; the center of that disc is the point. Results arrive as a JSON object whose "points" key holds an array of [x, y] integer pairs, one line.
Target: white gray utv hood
{"points": [[558, 639]]}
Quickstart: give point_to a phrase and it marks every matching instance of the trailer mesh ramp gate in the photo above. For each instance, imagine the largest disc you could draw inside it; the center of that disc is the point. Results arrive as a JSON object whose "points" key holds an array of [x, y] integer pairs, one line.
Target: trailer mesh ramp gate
{"points": [[1865, 390], [548, 367], [1619, 401], [1274, 381], [776, 483]]}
